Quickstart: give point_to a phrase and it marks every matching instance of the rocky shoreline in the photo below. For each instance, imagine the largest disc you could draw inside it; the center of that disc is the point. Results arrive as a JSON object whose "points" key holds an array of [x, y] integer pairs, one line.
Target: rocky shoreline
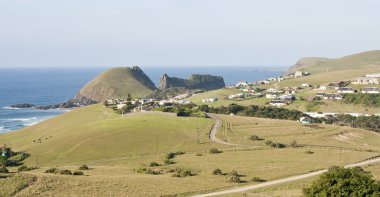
{"points": [[72, 103]]}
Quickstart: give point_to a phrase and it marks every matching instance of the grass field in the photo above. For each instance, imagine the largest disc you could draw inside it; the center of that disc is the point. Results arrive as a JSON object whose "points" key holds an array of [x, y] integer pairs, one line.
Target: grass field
{"points": [[114, 147]]}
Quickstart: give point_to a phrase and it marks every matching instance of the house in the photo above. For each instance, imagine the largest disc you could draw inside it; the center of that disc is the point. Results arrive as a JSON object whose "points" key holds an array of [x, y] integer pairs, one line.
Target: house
{"points": [[306, 85], [209, 100], [271, 96], [332, 97], [306, 120], [120, 106], [183, 102], [346, 90], [320, 94], [272, 90], [322, 88], [233, 96], [242, 84], [263, 82], [371, 90], [287, 97], [272, 79], [300, 74], [366, 81], [373, 75], [278, 103]]}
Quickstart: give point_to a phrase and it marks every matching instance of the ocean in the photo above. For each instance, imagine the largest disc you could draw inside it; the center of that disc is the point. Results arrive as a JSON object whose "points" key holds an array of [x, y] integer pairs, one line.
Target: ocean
{"points": [[45, 86]]}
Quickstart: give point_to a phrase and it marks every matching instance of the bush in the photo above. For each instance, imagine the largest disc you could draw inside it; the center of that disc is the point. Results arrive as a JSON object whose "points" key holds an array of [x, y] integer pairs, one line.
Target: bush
{"points": [[78, 173], [233, 177], [257, 179], [309, 152], [65, 172], [268, 142], [25, 168], [214, 151], [338, 181], [198, 154], [168, 161], [293, 144], [4, 170], [52, 170], [154, 164], [169, 156], [279, 145], [84, 167], [217, 172], [179, 172], [254, 138]]}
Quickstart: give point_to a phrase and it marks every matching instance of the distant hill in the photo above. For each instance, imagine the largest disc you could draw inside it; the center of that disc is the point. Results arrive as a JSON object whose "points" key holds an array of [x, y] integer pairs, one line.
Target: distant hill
{"points": [[314, 65], [195, 81], [118, 82]]}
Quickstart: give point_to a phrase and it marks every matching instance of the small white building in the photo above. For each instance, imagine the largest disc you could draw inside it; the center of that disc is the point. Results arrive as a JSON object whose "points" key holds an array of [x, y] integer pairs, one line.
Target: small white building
{"points": [[271, 96], [346, 90], [120, 106], [365, 81], [241, 84], [306, 85], [374, 75], [183, 102], [371, 90], [278, 103], [209, 100]]}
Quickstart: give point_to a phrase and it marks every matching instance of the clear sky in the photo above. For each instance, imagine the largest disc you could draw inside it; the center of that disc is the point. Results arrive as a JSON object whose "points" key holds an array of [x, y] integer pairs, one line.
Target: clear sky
{"points": [[80, 33]]}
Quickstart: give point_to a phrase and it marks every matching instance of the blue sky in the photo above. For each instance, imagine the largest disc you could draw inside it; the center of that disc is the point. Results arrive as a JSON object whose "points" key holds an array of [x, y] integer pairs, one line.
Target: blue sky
{"points": [[85, 33]]}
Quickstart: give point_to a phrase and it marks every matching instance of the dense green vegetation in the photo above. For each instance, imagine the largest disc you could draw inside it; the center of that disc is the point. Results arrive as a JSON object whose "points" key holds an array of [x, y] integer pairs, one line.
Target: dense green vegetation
{"points": [[368, 100], [366, 122], [344, 182]]}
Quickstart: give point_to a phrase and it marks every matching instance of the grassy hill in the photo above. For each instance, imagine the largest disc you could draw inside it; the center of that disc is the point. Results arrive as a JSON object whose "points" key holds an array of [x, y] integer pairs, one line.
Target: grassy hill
{"points": [[114, 146], [96, 133], [118, 82]]}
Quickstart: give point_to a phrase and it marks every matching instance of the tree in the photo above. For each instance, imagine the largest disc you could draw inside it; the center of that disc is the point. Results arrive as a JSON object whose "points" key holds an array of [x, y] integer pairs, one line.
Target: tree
{"points": [[339, 181], [129, 98]]}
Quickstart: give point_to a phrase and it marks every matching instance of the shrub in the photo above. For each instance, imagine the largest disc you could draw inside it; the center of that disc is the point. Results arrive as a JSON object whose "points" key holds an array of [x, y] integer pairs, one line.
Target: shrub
{"points": [[169, 155], [233, 177], [293, 144], [279, 145], [338, 181], [84, 167], [154, 164], [168, 161], [65, 172], [214, 151], [198, 154], [4, 170], [217, 172], [309, 152], [268, 142], [78, 173], [258, 179], [179, 153], [52, 170], [25, 168], [179, 172], [254, 138]]}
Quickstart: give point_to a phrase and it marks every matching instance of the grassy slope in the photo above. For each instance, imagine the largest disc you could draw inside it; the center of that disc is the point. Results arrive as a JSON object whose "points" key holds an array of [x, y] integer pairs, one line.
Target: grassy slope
{"points": [[94, 132], [117, 82], [114, 146]]}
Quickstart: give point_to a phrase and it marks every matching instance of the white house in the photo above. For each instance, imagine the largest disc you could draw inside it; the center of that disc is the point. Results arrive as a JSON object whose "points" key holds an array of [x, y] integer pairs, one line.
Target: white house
{"points": [[366, 81], [278, 103], [346, 90], [332, 97], [306, 85], [273, 90], [374, 75], [322, 88], [305, 120], [120, 106], [233, 96], [371, 90], [183, 102], [242, 84], [287, 97], [271, 96], [209, 100]]}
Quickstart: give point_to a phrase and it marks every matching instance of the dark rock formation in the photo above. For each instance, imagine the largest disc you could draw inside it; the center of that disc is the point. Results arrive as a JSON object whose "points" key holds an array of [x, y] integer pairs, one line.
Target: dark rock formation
{"points": [[195, 81]]}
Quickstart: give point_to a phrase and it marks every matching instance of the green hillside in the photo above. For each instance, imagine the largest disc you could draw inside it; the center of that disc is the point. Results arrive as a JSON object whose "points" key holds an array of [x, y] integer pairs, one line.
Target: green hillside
{"points": [[118, 82], [95, 133], [365, 60]]}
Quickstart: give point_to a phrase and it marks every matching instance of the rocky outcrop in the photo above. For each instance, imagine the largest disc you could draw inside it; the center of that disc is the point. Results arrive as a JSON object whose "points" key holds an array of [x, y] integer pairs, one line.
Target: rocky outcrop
{"points": [[195, 81]]}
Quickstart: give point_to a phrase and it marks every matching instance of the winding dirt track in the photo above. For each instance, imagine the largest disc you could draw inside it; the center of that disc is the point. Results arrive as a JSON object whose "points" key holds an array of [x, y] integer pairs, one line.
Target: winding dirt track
{"points": [[213, 138]]}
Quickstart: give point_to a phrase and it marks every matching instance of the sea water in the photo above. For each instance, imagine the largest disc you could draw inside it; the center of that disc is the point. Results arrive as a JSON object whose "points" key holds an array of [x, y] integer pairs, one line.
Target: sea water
{"points": [[46, 86]]}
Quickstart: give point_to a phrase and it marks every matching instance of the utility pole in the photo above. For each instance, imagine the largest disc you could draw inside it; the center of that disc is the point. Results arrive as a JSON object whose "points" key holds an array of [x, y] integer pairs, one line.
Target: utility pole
{"points": [[198, 135]]}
